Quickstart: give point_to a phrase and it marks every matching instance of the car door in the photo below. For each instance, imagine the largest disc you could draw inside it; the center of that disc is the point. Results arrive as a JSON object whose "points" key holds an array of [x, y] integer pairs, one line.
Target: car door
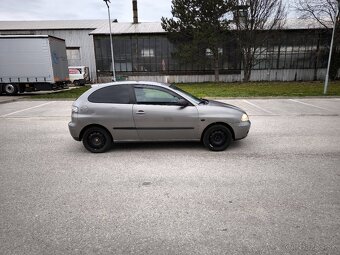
{"points": [[158, 116], [111, 107]]}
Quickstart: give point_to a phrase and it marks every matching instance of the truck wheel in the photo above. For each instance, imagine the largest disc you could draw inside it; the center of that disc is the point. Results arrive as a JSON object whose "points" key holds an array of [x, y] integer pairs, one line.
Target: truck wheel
{"points": [[11, 89], [76, 83]]}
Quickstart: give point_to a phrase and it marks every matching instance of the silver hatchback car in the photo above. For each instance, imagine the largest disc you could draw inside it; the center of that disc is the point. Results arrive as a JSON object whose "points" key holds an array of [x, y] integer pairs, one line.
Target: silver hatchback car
{"points": [[148, 111]]}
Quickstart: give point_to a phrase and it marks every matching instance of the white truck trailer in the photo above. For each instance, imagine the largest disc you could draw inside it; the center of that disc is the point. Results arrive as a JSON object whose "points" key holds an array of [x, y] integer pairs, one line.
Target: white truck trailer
{"points": [[32, 63]]}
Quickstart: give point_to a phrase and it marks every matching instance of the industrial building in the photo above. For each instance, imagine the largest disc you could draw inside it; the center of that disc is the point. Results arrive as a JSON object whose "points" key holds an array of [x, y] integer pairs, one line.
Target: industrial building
{"points": [[142, 51]]}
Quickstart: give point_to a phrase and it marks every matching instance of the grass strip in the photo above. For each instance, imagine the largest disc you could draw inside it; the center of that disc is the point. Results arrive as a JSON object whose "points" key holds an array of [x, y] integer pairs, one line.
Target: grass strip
{"points": [[251, 89], [261, 89]]}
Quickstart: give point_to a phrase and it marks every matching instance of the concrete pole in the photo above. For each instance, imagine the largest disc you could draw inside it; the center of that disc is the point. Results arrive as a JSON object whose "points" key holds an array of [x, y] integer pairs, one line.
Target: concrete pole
{"points": [[330, 52], [112, 56]]}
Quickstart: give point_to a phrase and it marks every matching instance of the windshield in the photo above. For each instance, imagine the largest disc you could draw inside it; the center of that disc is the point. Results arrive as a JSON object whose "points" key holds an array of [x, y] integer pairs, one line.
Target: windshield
{"points": [[195, 99]]}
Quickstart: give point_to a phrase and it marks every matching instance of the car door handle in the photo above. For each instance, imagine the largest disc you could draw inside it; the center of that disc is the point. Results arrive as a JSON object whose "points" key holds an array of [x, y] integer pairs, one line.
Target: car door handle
{"points": [[140, 112]]}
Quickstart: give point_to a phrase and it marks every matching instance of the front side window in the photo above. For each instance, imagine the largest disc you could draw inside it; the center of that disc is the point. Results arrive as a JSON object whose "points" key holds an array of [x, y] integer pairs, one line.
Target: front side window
{"points": [[195, 99], [145, 95], [116, 94]]}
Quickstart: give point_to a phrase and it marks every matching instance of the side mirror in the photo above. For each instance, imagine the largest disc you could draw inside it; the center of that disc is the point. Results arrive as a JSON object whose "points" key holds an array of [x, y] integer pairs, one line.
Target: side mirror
{"points": [[182, 102]]}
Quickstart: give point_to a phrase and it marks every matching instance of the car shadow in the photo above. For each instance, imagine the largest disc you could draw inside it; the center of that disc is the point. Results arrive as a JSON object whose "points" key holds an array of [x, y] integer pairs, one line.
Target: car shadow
{"points": [[157, 146], [169, 146]]}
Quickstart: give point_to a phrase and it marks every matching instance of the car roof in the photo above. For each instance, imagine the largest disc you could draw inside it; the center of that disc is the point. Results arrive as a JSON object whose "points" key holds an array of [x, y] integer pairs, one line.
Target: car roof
{"points": [[131, 83], [95, 87]]}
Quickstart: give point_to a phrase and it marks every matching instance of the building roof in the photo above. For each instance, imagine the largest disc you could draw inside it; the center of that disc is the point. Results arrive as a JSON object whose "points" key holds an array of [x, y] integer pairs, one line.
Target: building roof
{"points": [[24, 36], [156, 27], [102, 27], [29, 36], [130, 28], [51, 24], [292, 24]]}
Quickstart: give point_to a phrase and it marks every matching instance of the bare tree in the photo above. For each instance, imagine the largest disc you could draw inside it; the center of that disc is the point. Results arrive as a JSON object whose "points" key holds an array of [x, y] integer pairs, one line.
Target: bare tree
{"points": [[323, 11], [255, 21]]}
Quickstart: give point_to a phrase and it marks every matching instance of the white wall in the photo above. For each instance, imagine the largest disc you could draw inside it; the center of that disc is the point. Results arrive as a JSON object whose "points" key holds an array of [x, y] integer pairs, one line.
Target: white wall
{"points": [[256, 75]]}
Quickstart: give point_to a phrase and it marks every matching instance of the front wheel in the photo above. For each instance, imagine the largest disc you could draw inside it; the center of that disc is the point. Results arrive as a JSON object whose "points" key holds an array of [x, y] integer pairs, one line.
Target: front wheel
{"points": [[217, 138], [97, 140]]}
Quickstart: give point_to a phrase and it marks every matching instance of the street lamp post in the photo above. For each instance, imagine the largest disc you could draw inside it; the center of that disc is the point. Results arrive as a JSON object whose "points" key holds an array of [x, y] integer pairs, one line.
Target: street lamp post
{"points": [[112, 56], [330, 51]]}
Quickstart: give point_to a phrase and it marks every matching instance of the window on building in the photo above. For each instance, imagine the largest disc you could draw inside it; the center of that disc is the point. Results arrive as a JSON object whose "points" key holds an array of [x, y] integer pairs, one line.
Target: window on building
{"points": [[209, 53], [147, 53], [73, 55]]}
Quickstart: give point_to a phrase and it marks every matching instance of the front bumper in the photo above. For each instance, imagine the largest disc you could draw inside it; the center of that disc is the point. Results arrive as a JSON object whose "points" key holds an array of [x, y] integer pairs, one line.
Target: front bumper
{"points": [[241, 129]]}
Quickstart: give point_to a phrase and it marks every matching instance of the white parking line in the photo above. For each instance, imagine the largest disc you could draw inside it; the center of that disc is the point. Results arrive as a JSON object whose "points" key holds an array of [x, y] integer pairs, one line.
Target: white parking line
{"points": [[30, 108], [296, 101], [246, 101]]}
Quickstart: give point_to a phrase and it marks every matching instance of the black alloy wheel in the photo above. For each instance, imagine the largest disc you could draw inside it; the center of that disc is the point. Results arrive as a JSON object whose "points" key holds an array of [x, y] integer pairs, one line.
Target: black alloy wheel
{"points": [[217, 138], [97, 140]]}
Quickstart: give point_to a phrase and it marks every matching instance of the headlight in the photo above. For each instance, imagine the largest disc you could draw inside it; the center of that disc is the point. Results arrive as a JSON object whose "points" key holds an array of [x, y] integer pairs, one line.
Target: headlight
{"points": [[244, 117], [75, 109]]}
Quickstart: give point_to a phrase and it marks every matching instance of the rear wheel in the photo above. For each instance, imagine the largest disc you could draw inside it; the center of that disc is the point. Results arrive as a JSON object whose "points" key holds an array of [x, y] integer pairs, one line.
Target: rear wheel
{"points": [[11, 89], [217, 138], [97, 140], [76, 83]]}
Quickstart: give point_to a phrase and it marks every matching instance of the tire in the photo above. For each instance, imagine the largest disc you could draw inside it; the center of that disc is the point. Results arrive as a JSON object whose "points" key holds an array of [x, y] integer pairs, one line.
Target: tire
{"points": [[10, 89], [64, 86], [217, 138], [97, 140], [76, 83]]}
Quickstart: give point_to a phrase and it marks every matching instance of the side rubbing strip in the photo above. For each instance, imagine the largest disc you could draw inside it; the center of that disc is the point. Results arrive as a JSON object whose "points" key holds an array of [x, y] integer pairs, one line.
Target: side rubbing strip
{"points": [[153, 128]]}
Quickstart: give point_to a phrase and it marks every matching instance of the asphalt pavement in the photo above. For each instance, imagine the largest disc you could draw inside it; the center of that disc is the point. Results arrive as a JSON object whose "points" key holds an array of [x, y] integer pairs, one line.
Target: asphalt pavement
{"points": [[275, 192]]}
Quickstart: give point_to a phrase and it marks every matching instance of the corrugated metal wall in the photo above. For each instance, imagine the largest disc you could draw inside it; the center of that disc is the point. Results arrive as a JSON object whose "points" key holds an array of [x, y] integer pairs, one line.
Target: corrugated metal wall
{"points": [[81, 39]]}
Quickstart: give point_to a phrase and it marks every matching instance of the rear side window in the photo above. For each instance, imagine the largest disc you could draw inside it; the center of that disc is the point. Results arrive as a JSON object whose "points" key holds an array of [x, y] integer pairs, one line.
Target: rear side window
{"points": [[117, 94]]}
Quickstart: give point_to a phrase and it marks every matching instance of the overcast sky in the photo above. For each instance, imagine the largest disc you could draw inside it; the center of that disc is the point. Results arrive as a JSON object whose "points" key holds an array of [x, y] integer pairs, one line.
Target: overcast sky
{"points": [[149, 10]]}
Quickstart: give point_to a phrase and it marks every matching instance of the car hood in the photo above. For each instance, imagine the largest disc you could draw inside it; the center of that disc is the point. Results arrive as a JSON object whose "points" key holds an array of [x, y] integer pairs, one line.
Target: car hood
{"points": [[220, 104]]}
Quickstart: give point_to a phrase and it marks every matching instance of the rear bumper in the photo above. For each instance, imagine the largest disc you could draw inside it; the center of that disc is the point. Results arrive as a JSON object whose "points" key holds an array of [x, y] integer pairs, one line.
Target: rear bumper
{"points": [[241, 129], [73, 131]]}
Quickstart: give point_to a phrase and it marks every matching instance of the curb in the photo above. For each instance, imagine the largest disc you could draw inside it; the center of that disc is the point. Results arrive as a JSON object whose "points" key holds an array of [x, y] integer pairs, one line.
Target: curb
{"points": [[10, 100]]}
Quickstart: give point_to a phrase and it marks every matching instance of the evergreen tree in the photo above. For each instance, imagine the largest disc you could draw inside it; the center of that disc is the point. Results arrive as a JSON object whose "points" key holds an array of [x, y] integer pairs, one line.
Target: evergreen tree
{"points": [[199, 28]]}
